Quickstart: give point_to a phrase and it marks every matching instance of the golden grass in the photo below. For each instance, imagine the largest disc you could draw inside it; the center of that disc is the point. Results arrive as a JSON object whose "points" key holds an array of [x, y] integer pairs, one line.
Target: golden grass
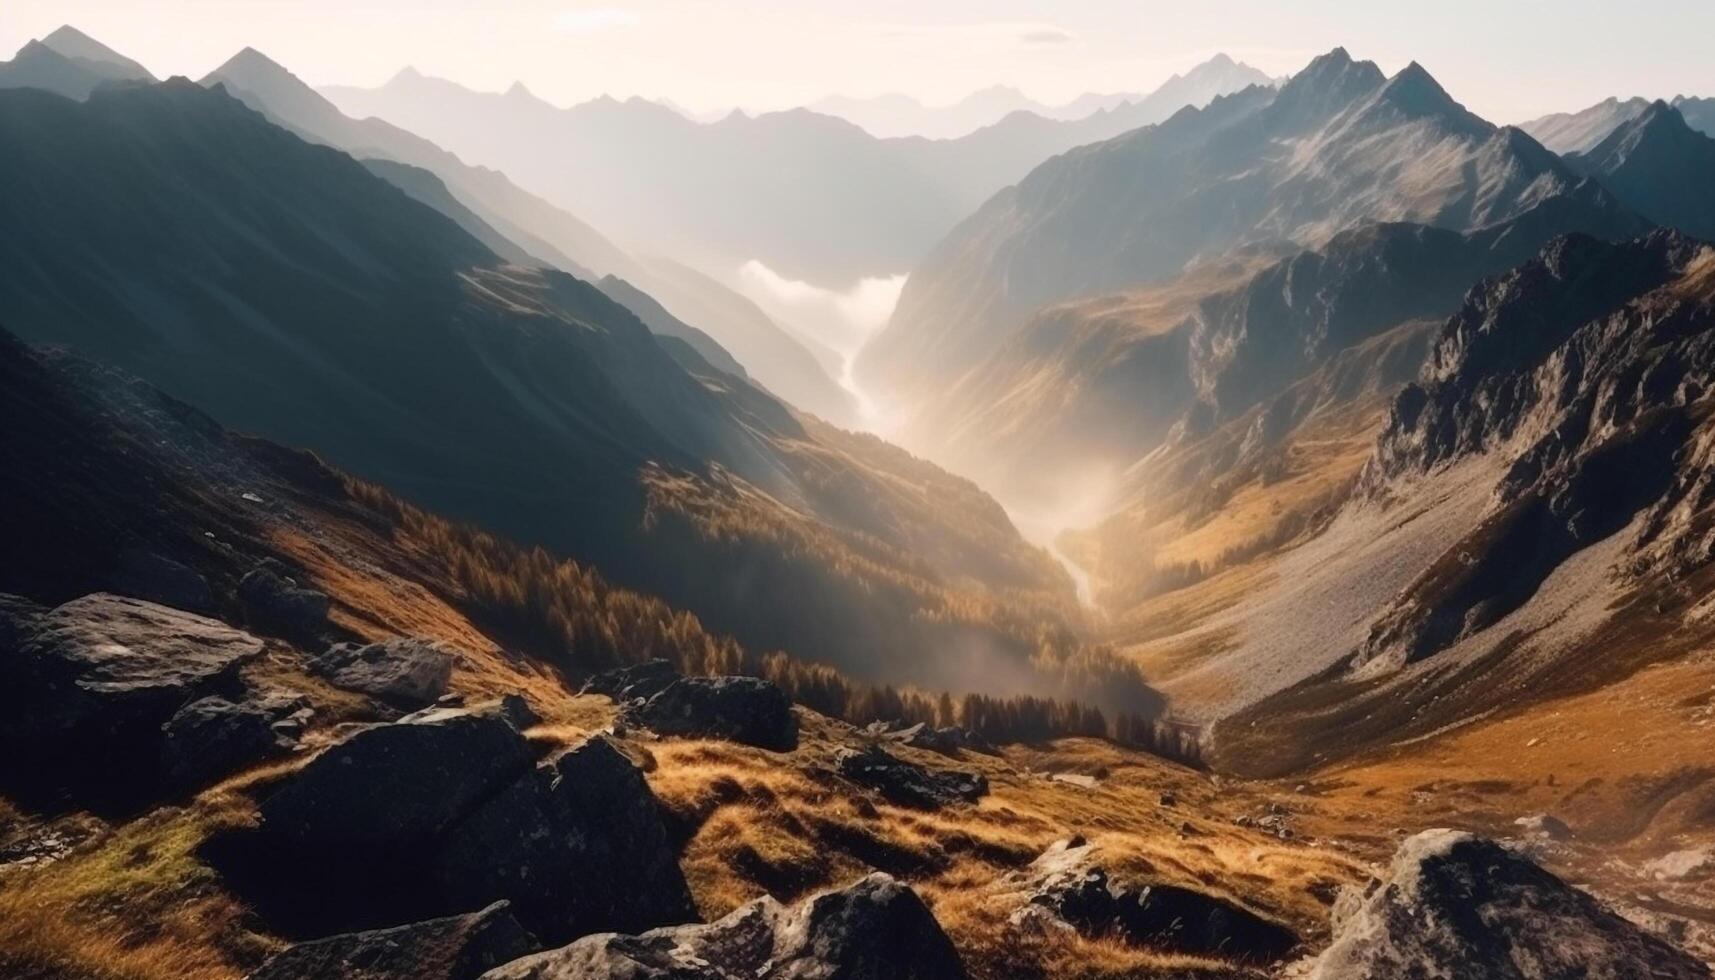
{"points": [[762, 826], [135, 905]]}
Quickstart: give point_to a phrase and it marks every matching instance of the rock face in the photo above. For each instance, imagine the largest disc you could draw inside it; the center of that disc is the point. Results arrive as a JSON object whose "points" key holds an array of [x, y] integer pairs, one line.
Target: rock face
{"points": [[448, 810], [404, 671], [458, 947], [275, 603], [636, 681], [88, 685], [876, 929], [1454, 905], [1066, 884], [740, 709], [908, 784]]}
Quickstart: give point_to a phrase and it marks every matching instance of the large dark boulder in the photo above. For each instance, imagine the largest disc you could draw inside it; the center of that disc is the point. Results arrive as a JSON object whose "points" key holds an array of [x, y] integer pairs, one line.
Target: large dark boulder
{"points": [[578, 845], [634, 681], [448, 810], [214, 736], [909, 784], [396, 786], [407, 671], [275, 603], [739, 709], [1455, 905], [1066, 884], [459, 947], [876, 929], [87, 686]]}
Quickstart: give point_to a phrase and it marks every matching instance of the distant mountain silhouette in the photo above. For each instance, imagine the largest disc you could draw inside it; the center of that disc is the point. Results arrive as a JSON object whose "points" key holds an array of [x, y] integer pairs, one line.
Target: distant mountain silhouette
{"points": [[1340, 145], [532, 228], [87, 51], [1659, 167], [895, 115], [768, 187], [1578, 132]]}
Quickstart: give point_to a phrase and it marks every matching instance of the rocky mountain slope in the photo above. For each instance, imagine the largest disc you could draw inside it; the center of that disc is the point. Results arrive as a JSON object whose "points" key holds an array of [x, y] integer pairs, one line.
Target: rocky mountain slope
{"points": [[532, 229], [292, 293], [1579, 132], [1096, 386], [1338, 146]]}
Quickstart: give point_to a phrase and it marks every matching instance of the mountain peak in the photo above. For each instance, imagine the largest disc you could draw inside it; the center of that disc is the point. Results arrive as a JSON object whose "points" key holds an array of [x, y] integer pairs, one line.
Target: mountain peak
{"points": [[1330, 83], [72, 43], [1416, 92], [405, 75]]}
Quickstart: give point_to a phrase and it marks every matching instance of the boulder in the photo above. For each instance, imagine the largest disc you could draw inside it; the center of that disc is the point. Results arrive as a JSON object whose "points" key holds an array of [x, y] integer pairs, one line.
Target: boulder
{"points": [[275, 603], [876, 929], [459, 947], [948, 740], [635, 681], [1543, 826], [578, 845], [908, 784], [396, 786], [739, 709], [1066, 883], [214, 736], [448, 810], [407, 671], [88, 686], [1455, 905], [157, 578]]}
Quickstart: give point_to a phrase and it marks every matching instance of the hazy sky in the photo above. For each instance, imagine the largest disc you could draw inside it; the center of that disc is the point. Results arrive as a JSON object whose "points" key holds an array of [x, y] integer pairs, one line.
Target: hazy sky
{"points": [[1506, 59]]}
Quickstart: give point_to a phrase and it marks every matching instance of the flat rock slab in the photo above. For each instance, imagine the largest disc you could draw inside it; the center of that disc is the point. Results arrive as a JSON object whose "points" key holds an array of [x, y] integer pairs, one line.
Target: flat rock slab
{"points": [[642, 680], [1456, 905], [86, 687], [459, 947], [876, 929]]}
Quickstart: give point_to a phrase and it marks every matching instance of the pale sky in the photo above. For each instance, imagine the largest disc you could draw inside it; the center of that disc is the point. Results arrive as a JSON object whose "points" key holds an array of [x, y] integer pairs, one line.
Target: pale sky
{"points": [[1505, 59]]}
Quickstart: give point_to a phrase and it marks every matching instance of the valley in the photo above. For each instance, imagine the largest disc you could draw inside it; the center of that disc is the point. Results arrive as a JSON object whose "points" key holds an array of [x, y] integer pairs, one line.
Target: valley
{"points": [[1261, 527]]}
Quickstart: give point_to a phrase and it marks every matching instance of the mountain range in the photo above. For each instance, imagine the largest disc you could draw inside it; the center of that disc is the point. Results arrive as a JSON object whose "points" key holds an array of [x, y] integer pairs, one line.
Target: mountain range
{"points": [[405, 578], [294, 294], [1338, 145], [784, 178]]}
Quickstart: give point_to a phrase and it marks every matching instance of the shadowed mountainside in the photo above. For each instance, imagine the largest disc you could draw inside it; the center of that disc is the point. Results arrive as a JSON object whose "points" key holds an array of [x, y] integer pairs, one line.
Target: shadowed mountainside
{"points": [[533, 227]]}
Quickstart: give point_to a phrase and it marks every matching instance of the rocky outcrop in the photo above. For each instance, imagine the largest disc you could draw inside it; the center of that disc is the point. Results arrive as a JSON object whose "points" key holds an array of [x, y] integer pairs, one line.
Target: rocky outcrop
{"points": [[1066, 888], [406, 671], [1454, 905], [876, 929], [275, 603], [634, 681], [449, 810], [908, 784], [739, 709], [88, 685], [213, 736], [948, 740], [459, 947]]}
